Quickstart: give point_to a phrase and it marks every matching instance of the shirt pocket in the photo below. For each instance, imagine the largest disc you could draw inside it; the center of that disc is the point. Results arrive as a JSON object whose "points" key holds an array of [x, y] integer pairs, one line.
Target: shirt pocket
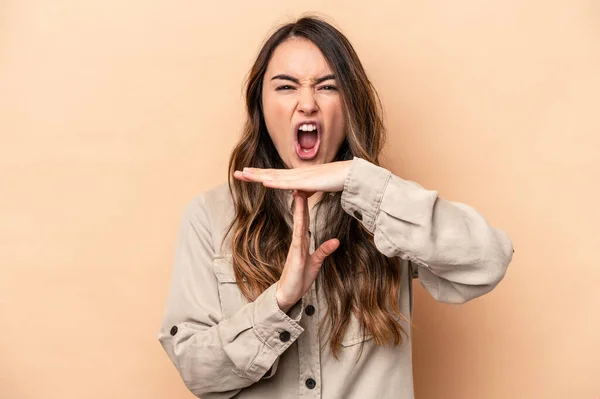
{"points": [[230, 295], [355, 334]]}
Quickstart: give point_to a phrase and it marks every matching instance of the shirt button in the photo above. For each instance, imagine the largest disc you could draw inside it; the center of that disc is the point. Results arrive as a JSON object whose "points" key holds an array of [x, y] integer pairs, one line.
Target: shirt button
{"points": [[310, 310], [173, 330], [284, 336], [310, 383], [358, 215]]}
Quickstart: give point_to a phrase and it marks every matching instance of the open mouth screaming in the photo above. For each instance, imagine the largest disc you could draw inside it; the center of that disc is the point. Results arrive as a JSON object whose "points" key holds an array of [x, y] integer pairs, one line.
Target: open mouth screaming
{"points": [[308, 140]]}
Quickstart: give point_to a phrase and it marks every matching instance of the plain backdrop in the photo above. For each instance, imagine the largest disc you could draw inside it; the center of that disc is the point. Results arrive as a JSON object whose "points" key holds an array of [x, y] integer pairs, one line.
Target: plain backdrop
{"points": [[114, 114]]}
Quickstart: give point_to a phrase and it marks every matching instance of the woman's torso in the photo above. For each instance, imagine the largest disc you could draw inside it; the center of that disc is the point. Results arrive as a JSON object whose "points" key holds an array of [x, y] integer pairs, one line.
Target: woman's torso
{"points": [[363, 369]]}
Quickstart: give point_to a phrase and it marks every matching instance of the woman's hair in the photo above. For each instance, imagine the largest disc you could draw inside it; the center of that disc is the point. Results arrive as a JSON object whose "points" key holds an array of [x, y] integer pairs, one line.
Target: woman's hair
{"points": [[356, 278]]}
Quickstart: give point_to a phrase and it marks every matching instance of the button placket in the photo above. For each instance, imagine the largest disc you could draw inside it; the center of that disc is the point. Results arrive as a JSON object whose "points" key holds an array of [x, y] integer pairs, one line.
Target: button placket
{"points": [[315, 344], [309, 349], [309, 353]]}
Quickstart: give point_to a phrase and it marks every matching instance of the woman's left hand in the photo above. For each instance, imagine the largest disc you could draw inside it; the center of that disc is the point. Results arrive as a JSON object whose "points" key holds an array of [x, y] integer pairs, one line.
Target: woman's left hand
{"points": [[329, 177]]}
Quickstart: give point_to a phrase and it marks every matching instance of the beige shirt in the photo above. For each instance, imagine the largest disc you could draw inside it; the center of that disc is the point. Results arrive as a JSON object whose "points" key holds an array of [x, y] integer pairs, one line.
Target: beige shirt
{"points": [[224, 346]]}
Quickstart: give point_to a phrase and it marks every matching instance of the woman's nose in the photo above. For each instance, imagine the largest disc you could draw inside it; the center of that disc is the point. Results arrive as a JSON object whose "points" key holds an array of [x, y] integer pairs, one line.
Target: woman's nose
{"points": [[307, 103]]}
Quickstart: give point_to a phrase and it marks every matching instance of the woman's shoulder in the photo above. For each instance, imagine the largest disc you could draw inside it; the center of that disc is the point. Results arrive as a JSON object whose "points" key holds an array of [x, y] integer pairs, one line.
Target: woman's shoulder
{"points": [[210, 212], [215, 202]]}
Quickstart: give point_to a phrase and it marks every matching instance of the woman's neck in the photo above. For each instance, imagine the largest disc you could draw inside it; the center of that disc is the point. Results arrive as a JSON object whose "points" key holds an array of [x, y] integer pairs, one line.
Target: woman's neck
{"points": [[314, 199]]}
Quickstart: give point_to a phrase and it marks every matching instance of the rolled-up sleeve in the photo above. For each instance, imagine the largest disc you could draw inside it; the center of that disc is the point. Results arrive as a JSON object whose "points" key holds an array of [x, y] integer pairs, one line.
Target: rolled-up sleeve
{"points": [[216, 357], [458, 255]]}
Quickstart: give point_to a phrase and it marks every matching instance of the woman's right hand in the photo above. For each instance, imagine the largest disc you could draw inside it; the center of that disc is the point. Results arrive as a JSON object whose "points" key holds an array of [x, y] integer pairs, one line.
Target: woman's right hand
{"points": [[301, 267]]}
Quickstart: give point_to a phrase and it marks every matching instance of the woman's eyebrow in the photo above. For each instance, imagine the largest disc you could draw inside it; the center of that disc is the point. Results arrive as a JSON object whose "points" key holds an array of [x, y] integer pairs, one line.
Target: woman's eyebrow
{"points": [[292, 79], [324, 78]]}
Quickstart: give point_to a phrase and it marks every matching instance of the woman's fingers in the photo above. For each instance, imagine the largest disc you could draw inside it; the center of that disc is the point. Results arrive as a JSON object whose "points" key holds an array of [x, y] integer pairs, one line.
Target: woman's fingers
{"points": [[280, 173], [287, 184], [326, 249], [287, 179], [328, 177], [281, 184], [240, 176], [299, 217]]}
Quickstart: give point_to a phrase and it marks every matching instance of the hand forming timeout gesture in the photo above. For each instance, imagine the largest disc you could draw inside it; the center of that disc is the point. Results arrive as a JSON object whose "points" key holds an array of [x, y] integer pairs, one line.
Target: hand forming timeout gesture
{"points": [[328, 177], [301, 267]]}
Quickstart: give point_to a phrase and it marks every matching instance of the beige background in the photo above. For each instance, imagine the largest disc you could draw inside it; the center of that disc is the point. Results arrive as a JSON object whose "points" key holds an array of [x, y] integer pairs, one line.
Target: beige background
{"points": [[114, 114]]}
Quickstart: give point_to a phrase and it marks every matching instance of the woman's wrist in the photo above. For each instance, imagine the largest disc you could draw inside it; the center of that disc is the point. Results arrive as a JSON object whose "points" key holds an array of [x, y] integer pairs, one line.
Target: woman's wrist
{"points": [[283, 304]]}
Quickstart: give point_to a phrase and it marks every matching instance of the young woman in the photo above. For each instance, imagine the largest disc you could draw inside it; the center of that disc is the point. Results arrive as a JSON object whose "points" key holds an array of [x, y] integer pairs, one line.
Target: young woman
{"points": [[295, 279]]}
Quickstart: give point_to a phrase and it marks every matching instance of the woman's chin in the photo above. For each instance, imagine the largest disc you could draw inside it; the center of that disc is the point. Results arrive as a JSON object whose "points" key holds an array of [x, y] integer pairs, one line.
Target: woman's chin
{"points": [[305, 163]]}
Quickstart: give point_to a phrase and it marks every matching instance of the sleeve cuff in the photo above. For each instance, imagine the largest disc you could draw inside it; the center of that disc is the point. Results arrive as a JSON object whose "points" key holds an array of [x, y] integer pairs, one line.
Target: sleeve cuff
{"points": [[363, 191], [296, 311], [370, 189], [272, 325]]}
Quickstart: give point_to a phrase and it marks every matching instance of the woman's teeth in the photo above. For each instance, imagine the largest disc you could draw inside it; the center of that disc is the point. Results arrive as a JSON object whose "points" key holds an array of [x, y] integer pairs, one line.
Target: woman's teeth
{"points": [[307, 127]]}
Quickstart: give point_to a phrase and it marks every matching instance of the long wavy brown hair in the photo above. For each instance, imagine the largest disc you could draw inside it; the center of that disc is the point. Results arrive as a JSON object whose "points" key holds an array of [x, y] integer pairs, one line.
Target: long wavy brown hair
{"points": [[357, 279]]}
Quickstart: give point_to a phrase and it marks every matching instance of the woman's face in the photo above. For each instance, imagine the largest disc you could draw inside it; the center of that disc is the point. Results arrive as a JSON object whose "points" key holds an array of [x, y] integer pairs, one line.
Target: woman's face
{"points": [[301, 104]]}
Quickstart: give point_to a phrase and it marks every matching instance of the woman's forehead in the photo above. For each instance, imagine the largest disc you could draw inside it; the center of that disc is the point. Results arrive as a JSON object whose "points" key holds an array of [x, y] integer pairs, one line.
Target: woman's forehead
{"points": [[299, 58]]}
